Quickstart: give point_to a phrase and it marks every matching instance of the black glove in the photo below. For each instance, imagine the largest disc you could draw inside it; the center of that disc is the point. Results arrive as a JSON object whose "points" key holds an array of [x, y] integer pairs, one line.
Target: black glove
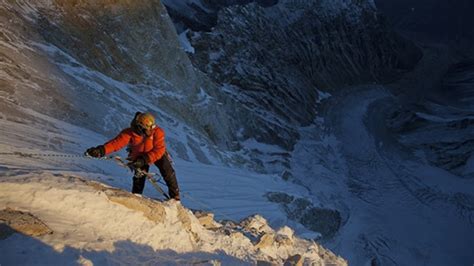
{"points": [[97, 152], [139, 163]]}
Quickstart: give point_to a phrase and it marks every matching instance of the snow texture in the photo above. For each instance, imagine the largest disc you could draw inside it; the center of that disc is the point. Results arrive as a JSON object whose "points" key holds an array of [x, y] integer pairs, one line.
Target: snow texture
{"points": [[98, 224]]}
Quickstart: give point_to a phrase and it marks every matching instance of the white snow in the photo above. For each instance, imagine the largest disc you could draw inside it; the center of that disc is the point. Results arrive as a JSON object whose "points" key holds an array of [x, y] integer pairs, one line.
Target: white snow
{"points": [[183, 39], [88, 227]]}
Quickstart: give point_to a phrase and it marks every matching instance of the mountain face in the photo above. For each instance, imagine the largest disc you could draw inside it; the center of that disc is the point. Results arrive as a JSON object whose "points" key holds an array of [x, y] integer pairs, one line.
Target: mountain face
{"points": [[393, 158], [94, 64], [201, 15], [86, 51], [441, 126], [276, 58], [260, 86]]}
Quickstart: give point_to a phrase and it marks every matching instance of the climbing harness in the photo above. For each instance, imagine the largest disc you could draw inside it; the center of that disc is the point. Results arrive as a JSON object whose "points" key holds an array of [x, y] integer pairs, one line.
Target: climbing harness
{"points": [[149, 176]]}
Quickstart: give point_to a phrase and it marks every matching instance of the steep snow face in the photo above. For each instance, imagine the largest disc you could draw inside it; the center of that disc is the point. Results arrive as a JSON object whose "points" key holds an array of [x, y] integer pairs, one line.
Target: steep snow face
{"points": [[93, 223], [275, 58]]}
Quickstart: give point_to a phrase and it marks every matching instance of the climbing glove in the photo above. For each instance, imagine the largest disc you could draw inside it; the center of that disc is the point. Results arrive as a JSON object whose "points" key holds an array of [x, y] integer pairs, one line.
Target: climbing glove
{"points": [[97, 152], [138, 163]]}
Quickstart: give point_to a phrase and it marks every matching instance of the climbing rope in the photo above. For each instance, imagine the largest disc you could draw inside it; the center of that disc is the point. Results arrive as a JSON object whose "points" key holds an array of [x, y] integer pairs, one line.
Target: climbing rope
{"points": [[117, 159], [30, 155], [148, 175]]}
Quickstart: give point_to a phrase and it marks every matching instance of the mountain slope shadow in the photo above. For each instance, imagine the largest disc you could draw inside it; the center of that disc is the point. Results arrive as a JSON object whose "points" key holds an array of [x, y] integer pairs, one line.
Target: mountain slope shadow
{"points": [[20, 249]]}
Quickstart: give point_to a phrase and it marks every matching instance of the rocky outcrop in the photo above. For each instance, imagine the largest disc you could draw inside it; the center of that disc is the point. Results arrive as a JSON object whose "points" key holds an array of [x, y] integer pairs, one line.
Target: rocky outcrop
{"points": [[324, 221], [12, 221]]}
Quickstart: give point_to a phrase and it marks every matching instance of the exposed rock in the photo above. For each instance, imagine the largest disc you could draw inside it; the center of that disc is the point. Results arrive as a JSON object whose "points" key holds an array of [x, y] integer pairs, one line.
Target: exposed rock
{"points": [[279, 197], [256, 225], [284, 236], [183, 216], [185, 219], [151, 209], [297, 208], [324, 221], [266, 240], [295, 260], [23, 222], [287, 175], [206, 219]]}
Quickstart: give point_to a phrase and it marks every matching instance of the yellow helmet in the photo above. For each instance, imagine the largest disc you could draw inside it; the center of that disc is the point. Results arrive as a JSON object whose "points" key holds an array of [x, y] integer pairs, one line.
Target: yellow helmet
{"points": [[145, 121]]}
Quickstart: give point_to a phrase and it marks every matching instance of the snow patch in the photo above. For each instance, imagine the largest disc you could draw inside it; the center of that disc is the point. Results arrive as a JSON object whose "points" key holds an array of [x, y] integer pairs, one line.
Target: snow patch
{"points": [[183, 39]]}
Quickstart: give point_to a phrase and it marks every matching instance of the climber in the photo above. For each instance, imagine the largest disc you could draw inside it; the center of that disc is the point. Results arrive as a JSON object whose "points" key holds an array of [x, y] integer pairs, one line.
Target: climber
{"points": [[146, 145]]}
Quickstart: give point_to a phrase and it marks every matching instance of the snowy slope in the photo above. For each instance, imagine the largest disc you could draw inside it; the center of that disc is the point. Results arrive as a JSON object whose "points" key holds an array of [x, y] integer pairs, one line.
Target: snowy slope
{"points": [[95, 224]]}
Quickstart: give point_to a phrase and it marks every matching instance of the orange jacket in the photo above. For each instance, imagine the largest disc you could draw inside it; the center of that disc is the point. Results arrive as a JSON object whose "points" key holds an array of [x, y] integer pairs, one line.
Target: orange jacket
{"points": [[152, 147]]}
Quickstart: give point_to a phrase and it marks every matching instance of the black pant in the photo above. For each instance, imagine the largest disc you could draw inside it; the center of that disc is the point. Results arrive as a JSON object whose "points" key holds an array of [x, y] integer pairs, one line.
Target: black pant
{"points": [[166, 171]]}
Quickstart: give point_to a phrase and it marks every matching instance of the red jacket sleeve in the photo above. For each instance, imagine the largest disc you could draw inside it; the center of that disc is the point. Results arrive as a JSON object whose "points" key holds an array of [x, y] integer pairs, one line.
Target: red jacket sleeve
{"points": [[159, 146], [118, 142]]}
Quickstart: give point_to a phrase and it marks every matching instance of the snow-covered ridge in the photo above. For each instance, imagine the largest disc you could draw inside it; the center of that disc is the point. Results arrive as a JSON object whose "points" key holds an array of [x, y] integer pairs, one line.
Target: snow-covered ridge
{"points": [[91, 222]]}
